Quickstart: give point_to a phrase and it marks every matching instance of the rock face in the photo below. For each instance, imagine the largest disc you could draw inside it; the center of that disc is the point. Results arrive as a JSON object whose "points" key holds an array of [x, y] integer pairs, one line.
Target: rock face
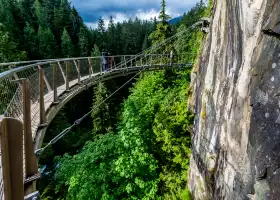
{"points": [[236, 98]]}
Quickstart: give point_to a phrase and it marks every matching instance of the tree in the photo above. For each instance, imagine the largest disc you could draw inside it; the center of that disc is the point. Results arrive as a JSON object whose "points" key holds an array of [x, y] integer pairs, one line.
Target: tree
{"points": [[162, 15], [67, 47], [31, 41], [9, 49], [47, 43], [91, 174], [42, 15], [145, 43], [101, 113], [83, 42], [95, 51], [163, 30]]}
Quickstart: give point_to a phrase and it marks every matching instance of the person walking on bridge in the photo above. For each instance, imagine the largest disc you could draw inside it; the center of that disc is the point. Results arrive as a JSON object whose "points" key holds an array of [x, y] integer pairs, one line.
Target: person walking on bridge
{"points": [[104, 61]]}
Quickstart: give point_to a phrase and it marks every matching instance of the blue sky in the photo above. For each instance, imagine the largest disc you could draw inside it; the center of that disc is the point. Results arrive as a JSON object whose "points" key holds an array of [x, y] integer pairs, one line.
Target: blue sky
{"points": [[121, 10]]}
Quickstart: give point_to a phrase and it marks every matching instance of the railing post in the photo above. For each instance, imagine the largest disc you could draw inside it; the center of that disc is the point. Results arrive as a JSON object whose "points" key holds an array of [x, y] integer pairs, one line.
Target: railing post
{"points": [[54, 81], [90, 71], [67, 76], [131, 61], [42, 101], [78, 67], [11, 134], [31, 167]]}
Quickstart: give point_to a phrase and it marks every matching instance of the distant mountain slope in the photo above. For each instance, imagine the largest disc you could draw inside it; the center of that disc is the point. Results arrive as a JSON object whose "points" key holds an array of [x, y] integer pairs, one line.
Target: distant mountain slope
{"points": [[175, 20]]}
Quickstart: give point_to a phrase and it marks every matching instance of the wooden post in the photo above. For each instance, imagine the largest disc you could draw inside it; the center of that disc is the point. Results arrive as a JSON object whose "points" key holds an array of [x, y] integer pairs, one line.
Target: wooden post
{"points": [[42, 101], [90, 68], [31, 167], [67, 76], [11, 134], [78, 67], [54, 79]]}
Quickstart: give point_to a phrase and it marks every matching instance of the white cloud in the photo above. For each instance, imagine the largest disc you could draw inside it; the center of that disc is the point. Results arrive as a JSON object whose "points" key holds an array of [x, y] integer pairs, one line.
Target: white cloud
{"points": [[122, 10]]}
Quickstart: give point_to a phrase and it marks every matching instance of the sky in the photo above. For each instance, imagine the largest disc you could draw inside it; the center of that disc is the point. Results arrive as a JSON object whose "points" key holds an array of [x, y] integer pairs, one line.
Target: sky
{"points": [[121, 10]]}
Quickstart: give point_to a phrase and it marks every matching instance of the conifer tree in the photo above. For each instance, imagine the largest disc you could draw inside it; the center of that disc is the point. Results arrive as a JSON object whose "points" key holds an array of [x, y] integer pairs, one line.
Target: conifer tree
{"points": [[47, 43], [31, 42], [83, 42], [67, 47]]}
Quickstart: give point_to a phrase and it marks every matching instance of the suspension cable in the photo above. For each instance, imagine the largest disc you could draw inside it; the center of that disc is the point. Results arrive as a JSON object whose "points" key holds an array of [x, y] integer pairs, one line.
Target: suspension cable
{"points": [[78, 121], [38, 152]]}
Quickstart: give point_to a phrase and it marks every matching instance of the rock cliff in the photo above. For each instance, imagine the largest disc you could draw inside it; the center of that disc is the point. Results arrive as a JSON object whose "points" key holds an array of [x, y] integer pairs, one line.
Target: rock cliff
{"points": [[236, 98]]}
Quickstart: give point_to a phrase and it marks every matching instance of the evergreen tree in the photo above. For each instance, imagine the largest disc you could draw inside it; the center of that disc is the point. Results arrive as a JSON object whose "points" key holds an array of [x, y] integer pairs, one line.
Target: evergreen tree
{"points": [[67, 47], [47, 43], [102, 42], [111, 36], [162, 15], [83, 42], [31, 42], [8, 49], [95, 51], [163, 30], [42, 15], [101, 114], [145, 43]]}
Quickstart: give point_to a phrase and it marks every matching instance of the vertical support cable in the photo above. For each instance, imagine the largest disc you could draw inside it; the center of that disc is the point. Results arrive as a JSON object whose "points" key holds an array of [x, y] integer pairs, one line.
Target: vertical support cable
{"points": [[54, 79], [42, 101], [31, 167], [62, 72], [125, 61], [67, 76], [11, 132], [90, 71], [47, 83], [78, 67]]}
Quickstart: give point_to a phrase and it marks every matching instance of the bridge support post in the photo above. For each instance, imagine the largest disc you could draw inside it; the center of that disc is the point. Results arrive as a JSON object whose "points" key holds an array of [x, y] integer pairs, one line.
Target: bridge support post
{"points": [[42, 101], [11, 134], [54, 79], [31, 167], [67, 76]]}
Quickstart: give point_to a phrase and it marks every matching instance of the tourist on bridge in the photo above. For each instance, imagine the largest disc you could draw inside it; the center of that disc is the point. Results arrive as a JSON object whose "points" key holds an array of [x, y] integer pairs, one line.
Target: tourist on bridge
{"points": [[104, 61]]}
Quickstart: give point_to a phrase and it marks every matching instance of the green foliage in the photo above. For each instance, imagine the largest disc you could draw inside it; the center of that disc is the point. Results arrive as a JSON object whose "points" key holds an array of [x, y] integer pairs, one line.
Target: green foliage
{"points": [[91, 174], [101, 114], [8, 49], [47, 43], [145, 43], [83, 42], [95, 51], [162, 15], [67, 47], [31, 41]]}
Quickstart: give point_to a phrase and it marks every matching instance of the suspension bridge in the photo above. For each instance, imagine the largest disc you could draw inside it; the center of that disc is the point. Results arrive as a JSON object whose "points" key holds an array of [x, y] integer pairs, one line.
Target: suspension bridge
{"points": [[33, 92]]}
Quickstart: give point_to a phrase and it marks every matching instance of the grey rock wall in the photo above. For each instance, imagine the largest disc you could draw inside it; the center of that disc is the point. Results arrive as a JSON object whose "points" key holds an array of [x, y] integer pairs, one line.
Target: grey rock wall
{"points": [[236, 98]]}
